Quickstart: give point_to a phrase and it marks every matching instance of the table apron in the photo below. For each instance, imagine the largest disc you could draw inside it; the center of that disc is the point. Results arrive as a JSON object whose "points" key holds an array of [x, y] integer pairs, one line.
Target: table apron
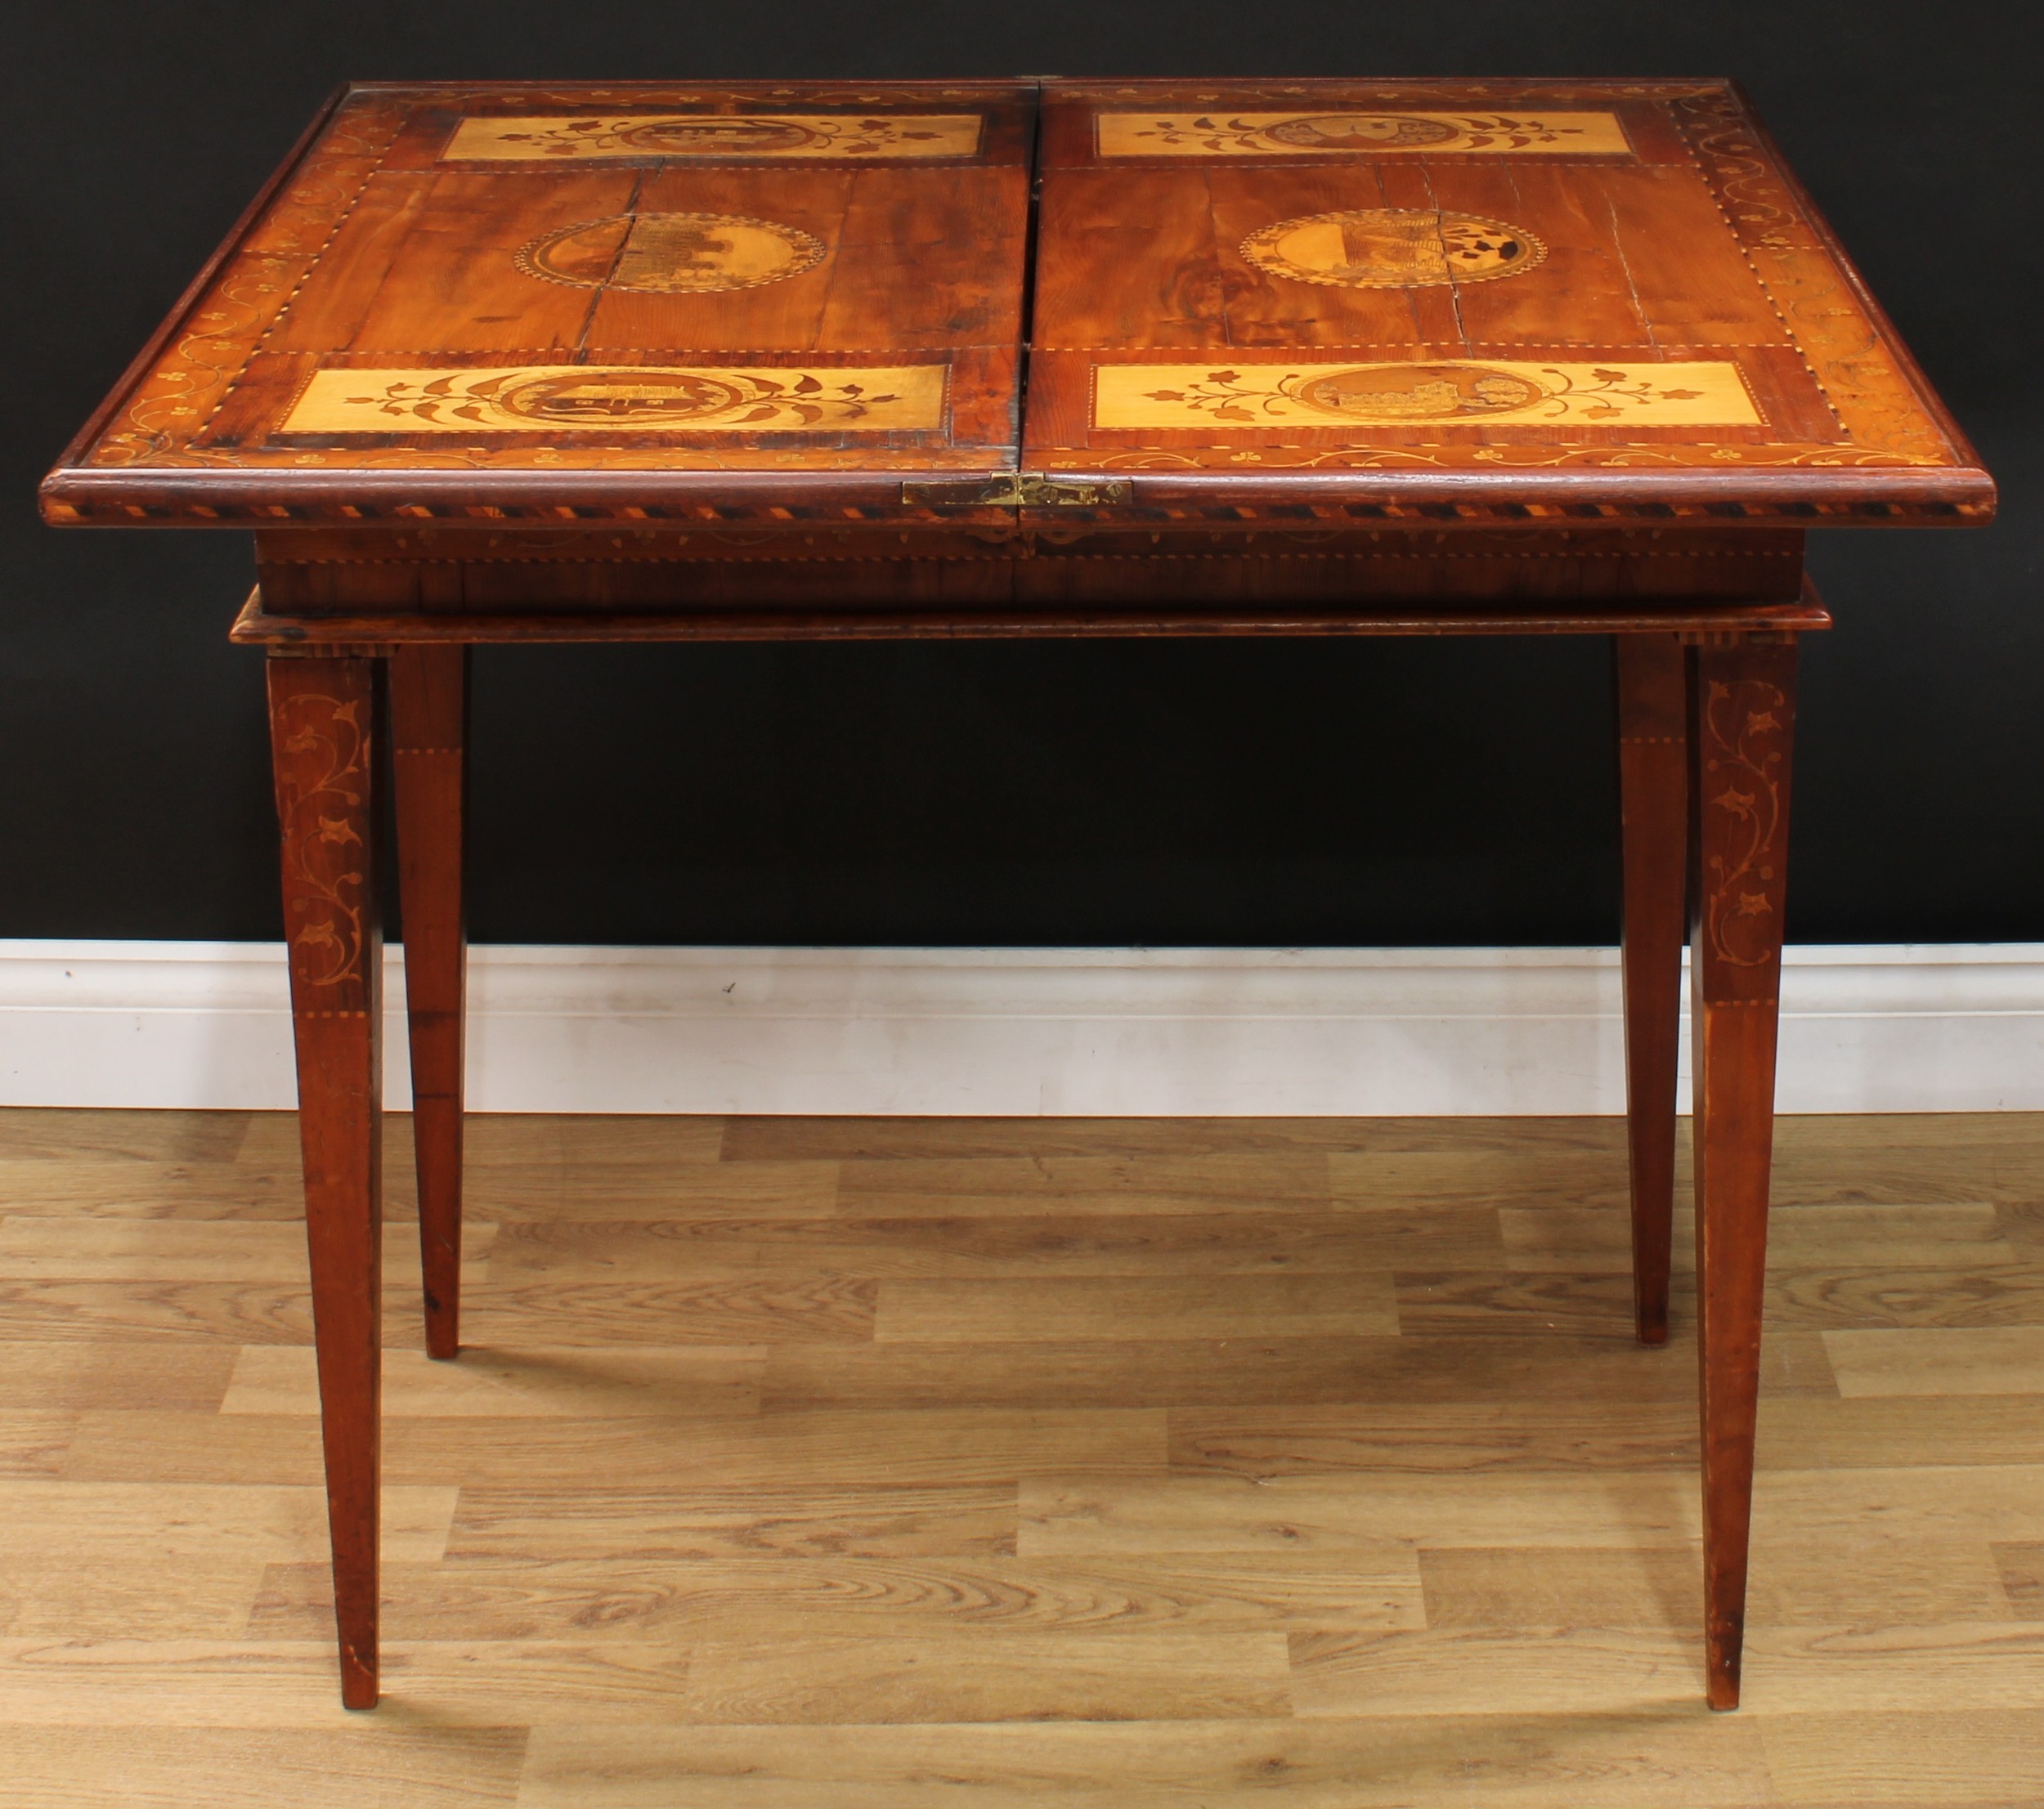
{"points": [[427, 571]]}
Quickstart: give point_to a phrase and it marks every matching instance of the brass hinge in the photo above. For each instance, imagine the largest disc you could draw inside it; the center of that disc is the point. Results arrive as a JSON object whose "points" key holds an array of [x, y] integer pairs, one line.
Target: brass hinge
{"points": [[1020, 490]]}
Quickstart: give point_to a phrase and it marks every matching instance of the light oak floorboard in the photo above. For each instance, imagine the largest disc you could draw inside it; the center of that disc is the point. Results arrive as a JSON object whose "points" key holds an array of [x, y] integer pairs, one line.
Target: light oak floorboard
{"points": [[1136, 1306], [157, 1523], [602, 1186], [1314, 1513], [887, 1464], [1794, 1582], [1892, 1431], [1990, 1360], [1671, 1760], [1435, 1438], [155, 1250], [727, 1597], [1064, 1184], [91, 1768], [585, 1521], [35, 1441], [580, 1382], [928, 1246], [1989, 1757]]}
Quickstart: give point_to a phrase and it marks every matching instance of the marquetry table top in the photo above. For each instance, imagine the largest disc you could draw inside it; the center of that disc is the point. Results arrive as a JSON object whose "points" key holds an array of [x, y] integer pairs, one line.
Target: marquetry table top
{"points": [[1270, 303]]}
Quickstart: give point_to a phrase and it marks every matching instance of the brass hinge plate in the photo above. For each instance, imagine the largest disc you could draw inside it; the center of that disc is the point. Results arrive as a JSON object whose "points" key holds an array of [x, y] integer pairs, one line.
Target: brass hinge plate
{"points": [[1020, 490]]}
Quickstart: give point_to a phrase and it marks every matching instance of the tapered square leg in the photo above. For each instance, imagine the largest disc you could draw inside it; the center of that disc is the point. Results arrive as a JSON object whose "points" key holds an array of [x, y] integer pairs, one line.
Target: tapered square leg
{"points": [[1742, 702], [323, 723], [1653, 793], [429, 709]]}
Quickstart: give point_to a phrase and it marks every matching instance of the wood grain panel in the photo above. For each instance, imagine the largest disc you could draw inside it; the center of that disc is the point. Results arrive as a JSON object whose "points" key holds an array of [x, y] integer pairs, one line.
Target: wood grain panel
{"points": [[1433, 1439], [1115, 1306], [958, 1676], [1022, 1186], [1245, 1371], [1997, 1360], [438, 1767], [327, 313], [1987, 1756], [782, 315], [723, 1598], [1436, 309], [576, 1382], [1379, 1762], [125, 1249], [157, 1311], [35, 1441], [1889, 1432], [1583, 294], [1499, 1586], [964, 230], [1988, 1664], [90, 1373], [1574, 1671], [1128, 258], [454, 285], [1016, 1247], [824, 1310], [1686, 276], [882, 1522], [1267, 310], [1314, 1513], [748, 1139], [52, 1142], [166, 1523]]}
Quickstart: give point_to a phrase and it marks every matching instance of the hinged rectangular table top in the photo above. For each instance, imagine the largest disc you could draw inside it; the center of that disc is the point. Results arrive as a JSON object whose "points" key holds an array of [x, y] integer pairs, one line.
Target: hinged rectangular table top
{"points": [[1272, 304]]}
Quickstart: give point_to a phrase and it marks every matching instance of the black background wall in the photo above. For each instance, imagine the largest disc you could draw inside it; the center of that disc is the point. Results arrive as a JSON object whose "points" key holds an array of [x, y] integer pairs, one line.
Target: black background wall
{"points": [[1300, 793]]}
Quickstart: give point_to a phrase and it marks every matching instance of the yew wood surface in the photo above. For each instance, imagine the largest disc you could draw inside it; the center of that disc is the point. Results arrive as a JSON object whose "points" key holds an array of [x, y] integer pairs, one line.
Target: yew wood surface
{"points": [[392, 249], [382, 247], [826, 1462], [1687, 241]]}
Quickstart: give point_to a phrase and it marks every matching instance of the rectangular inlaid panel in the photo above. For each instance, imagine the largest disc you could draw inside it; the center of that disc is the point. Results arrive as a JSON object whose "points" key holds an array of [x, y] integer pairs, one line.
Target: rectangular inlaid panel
{"points": [[1405, 394], [1225, 133], [716, 137], [544, 398]]}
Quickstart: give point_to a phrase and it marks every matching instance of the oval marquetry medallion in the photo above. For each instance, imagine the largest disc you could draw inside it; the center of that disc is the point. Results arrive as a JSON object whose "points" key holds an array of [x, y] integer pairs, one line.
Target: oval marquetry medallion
{"points": [[1363, 132], [626, 397], [671, 253], [1414, 392], [1391, 248], [729, 136]]}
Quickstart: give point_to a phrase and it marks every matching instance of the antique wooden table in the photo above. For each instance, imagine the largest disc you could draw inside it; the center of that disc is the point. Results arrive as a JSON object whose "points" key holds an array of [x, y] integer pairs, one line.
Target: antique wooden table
{"points": [[650, 362]]}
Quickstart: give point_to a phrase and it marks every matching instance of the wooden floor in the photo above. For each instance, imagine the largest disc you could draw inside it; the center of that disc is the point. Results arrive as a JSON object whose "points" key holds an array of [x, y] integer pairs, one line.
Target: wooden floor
{"points": [[886, 1464]]}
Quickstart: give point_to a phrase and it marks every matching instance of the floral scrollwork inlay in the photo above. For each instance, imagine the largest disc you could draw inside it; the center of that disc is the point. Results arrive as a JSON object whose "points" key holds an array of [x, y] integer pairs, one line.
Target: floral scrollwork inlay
{"points": [[1745, 729], [322, 783]]}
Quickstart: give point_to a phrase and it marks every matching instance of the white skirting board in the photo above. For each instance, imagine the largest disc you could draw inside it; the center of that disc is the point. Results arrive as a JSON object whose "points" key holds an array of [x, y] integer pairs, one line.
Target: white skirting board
{"points": [[1939, 1027]]}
